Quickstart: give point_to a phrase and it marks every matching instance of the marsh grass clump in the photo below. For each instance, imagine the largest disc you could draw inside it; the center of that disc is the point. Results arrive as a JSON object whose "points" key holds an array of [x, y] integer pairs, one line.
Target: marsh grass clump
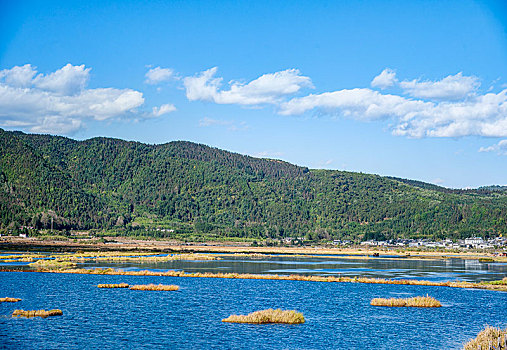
{"points": [[489, 335], [426, 301], [502, 282], [113, 285], [9, 300], [268, 316], [37, 313], [152, 286], [52, 264]]}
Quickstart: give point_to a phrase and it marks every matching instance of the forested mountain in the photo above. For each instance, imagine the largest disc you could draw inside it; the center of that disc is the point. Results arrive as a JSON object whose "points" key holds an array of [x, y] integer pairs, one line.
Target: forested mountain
{"points": [[110, 183]]}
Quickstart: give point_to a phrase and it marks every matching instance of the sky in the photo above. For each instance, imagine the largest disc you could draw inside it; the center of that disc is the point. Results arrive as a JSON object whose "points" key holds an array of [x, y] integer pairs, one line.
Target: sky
{"points": [[412, 89]]}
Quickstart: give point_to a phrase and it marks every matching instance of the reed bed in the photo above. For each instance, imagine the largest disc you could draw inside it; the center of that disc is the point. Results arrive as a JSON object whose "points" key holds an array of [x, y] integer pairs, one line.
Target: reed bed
{"points": [[133, 257], [426, 301], [268, 316], [487, 337], [113, 285], [9, 300], [52, 264], [157, 287], [21, 256], [110, 271], [502, 282], [36, 313]]}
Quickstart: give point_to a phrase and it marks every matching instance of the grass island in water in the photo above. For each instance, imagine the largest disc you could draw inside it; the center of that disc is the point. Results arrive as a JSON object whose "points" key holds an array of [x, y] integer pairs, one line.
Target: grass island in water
{"points": [[113, 285], [268, 316], [490, 336], [151, 286], [426, 301], [9, 300], [36, 313]]}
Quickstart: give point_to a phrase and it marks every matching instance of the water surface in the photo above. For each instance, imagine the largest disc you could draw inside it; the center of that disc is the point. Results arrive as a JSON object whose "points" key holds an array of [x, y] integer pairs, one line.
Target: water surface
{"points": [[338, 315]]}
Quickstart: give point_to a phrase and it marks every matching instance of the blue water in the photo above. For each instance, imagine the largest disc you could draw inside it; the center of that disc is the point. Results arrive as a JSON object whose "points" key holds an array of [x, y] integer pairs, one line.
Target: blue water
{"points": [[433, 270], [338, 315]]}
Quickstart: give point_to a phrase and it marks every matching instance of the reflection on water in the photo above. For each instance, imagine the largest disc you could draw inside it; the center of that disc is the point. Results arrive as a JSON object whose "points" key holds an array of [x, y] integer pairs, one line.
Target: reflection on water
{"points": [[392, 268], [433, 270]]}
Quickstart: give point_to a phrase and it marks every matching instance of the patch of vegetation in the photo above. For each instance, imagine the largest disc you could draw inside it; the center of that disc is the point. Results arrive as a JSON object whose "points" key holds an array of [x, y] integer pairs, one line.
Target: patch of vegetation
{"points": [[426, 301], [268, 316], [9, 300], [112, 285], [52, 264], [183, 190], [157, 287], [488, 336], [36, 313]]}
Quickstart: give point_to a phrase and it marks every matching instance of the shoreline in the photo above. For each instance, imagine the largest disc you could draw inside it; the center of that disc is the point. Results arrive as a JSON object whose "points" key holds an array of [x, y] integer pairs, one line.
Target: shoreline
{"points": [[161, 246]]}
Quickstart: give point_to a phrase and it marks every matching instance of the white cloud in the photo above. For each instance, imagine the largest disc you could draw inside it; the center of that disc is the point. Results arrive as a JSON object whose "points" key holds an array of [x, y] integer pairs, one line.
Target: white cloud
{"points": [[59, 100], [451, 107], [268, 154], [163, 109], [57, 124], [438, 181], [158, 75], [483, 115], [230, 124], [267, 89], [204, 122], [500, 148], [451, 88], [68, 80], [357, 103], [18, 76], [385, 79]]}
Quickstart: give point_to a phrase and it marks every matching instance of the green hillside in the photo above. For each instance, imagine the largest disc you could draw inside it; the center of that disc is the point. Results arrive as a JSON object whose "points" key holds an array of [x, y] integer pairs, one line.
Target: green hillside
{"points": [[127, 186]]}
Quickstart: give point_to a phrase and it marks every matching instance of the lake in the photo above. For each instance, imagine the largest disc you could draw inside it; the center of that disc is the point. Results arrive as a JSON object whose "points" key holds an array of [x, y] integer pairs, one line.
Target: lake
{"points": [[338, 315]]}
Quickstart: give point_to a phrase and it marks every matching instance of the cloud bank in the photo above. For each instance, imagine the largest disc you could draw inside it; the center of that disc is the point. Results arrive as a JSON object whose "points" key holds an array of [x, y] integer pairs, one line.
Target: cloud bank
{"points": [[451, 107], [59, 102]]}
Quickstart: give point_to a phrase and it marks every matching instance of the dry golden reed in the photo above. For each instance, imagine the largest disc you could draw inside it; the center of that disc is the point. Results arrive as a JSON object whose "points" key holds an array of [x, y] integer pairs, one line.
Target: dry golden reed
{"points": [[152, 286], [268, 316], [52, 264], [489, 335], [9, 300], [132, 257], [113, 285], [426, 301], [110, 271], [36, 313]]}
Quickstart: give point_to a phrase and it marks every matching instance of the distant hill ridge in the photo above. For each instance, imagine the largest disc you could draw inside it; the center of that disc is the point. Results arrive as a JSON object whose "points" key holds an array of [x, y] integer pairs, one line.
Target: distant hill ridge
{"points": [[111, 183]]}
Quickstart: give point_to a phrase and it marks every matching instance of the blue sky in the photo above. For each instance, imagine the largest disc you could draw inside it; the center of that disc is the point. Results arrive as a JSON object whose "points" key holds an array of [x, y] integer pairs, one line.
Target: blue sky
{"points": [[414, 89]]}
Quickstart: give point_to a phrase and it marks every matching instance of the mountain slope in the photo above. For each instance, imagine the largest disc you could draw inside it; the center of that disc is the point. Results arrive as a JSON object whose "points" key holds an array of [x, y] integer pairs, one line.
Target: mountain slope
{"points": [[113, 183]]}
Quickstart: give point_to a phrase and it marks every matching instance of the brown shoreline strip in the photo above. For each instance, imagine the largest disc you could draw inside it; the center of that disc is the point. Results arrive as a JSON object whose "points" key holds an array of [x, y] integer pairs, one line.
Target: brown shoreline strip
{"points": [[495, 285]]}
